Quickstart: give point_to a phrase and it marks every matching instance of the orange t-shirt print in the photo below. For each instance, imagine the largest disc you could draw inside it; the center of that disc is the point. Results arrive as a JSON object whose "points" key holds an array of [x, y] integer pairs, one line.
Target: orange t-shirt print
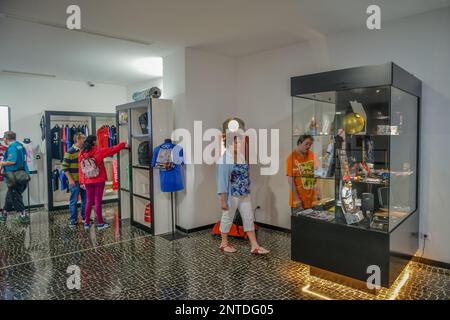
{"points": [[301, 168]]}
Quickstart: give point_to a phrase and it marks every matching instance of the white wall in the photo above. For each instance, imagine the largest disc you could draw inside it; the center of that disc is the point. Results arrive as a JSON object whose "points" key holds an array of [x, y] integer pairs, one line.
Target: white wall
{"points": [[421, 45], [132, 88], [203, 88], [30, 97]]}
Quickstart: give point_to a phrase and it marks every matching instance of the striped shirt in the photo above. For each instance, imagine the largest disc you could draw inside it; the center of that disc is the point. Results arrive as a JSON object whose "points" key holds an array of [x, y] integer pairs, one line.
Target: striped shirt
{"points": [[70, 162]]}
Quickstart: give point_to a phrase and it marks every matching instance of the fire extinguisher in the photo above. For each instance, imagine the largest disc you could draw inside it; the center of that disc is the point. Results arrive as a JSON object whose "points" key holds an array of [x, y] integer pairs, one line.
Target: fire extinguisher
{"points": [[148, 213]]}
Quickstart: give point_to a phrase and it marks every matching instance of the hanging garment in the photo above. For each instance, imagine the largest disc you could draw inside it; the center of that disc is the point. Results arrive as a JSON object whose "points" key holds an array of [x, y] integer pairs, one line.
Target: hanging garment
{"points": [[64, 140], [33, 152], [55, 179], [64, 182], [114, 135], [103, 137], [71, 135], [115, 175], [170, 173], [56, 140], [2, 152], [110, 144]]}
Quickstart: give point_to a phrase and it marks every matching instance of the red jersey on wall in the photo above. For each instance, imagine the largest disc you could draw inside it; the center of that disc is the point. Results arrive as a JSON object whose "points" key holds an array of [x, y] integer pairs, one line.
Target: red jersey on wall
{"points": [[103, 137], [2, 152]]}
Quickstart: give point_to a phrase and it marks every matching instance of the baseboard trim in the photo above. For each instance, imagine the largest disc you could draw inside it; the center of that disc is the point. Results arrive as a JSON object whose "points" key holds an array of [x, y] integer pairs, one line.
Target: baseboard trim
{"points": [[210, 226], [187, 231], [430, 262], [35, 206], [271, 227], [66, 207]]}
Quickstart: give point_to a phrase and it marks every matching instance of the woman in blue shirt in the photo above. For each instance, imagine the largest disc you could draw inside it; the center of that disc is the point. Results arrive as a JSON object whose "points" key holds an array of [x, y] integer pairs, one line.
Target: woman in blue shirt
{"points": [[233, 187]]}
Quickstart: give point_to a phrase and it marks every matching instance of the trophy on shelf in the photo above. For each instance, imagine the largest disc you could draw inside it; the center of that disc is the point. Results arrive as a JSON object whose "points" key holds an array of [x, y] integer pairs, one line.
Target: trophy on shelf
{"points": [[349, 203]]}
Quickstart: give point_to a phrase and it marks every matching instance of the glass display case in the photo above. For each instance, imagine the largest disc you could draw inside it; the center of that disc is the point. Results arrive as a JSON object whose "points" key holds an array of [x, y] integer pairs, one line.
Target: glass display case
{"points": [[358, 180], [354, 160]]}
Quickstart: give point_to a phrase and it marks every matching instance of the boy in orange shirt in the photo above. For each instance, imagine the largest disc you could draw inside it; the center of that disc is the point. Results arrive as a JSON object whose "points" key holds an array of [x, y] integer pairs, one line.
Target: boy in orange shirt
{"points": [[300, 167]]}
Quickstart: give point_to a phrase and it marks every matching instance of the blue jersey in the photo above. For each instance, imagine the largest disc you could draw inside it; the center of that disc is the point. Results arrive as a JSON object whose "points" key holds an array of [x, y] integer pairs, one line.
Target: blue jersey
{"points": [[171, 179]]}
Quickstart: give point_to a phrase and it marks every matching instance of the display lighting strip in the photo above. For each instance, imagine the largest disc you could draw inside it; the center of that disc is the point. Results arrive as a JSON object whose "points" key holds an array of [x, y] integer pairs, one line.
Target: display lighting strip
{"points": [[305, 289], [393, 296], [400, 285]]}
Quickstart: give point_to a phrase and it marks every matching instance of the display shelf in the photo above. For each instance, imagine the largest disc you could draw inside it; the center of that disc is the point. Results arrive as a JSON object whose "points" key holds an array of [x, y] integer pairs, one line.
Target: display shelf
{"points": [[140, 136], [137, 181], [313, 135], [371, 182], [142, 197], [325, 178], [141, 167], [132, 202], [364, 225], [110, 197]]}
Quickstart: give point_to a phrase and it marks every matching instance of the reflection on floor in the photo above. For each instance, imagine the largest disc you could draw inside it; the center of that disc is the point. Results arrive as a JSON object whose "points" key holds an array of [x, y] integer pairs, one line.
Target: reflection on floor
{"points": [[125, 263]]}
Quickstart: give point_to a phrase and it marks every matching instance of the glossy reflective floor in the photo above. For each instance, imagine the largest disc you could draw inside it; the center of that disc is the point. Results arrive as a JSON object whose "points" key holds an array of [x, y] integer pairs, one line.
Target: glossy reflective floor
{"points": [[125, 263]]}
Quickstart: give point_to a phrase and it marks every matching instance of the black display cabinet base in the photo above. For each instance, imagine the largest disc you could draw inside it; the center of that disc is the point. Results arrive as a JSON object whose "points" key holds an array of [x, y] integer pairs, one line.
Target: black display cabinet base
{"points": [[349, 251], [173, 236], [340, 279]]}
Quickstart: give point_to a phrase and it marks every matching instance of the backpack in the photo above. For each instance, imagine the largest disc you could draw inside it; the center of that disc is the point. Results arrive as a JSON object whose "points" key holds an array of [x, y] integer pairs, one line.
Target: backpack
{"points": [[144, 154], [143, 123], [89, 168]]}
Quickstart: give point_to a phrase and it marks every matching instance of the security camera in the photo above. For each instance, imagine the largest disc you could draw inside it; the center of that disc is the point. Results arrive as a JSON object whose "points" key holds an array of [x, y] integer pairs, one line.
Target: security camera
{"points": [[90, 84]]}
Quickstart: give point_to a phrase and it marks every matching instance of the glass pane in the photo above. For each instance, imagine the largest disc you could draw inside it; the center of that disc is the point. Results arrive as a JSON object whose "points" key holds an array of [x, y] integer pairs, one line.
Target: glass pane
{"points": [[362, 145], [403, 162], [310, 166]]}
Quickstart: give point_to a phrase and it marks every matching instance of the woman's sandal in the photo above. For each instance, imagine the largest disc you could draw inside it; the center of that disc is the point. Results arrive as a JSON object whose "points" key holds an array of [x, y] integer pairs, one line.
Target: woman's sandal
{"points": [[228, 249], [260, 250]]}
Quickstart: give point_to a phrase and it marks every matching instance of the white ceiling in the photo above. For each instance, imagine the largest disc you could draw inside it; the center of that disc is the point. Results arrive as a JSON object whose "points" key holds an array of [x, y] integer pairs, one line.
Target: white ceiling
{"points": [[229, 27]]}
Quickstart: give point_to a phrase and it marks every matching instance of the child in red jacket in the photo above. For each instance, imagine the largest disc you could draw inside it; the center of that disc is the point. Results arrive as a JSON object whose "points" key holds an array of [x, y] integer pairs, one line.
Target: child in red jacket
{"points": [[95, 186]]}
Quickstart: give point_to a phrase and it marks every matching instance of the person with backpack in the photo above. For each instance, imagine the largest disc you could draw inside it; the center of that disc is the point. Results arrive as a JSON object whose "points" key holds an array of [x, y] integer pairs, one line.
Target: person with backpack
{"points": [[17, 177], [92, 175]]}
